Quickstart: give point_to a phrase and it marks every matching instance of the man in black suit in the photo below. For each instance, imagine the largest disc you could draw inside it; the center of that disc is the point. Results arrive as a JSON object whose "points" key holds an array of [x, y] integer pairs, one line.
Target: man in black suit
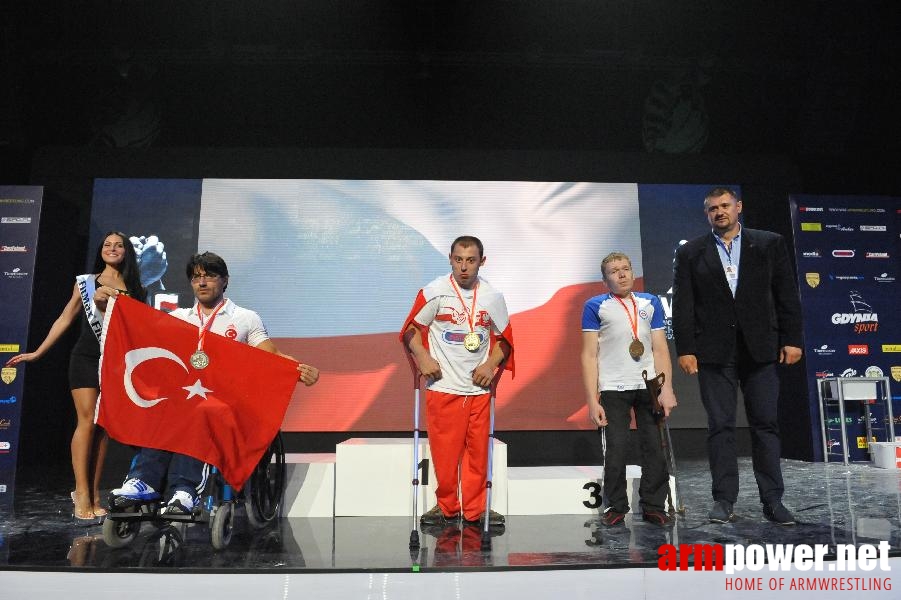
{"points": [[736, 311]]}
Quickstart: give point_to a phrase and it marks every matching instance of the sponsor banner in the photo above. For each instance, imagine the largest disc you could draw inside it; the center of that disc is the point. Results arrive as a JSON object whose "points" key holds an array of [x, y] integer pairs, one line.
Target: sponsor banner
{"points": [[847, 278], [20, 211]]}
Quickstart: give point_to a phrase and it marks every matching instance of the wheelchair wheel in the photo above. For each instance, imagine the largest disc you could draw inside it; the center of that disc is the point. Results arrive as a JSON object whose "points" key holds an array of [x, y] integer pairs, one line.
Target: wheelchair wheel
{"points": [[265, 488], [221, 525], [118, 534]]}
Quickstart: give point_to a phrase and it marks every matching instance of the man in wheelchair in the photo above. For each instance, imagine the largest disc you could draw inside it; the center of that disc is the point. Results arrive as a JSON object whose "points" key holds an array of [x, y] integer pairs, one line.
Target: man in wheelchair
{"points": [[185, 477]]}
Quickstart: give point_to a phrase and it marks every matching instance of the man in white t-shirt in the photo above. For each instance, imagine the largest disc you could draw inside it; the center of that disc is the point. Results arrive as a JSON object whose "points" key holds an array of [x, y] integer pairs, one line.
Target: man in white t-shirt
{"points": [[459, 333], [622, 335], [185, 476]]}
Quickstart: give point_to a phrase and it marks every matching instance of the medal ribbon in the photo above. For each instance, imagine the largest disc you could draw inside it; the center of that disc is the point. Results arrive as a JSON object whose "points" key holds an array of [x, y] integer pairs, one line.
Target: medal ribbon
{"points": [[632, 322], [201, 331], [471, 315]]}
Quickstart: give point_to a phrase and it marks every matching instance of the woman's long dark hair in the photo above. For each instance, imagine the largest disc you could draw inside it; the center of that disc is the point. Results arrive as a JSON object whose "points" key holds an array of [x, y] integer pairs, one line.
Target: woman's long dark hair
{"points": [[128, 269]]}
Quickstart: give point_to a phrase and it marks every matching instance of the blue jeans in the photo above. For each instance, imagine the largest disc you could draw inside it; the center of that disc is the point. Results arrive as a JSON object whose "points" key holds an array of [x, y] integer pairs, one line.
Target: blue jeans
{"points": [[178, 472]]}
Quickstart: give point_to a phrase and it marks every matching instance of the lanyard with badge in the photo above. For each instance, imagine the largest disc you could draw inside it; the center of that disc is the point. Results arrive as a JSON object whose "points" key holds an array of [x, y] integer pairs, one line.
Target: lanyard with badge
{"points": [[730, 269]]}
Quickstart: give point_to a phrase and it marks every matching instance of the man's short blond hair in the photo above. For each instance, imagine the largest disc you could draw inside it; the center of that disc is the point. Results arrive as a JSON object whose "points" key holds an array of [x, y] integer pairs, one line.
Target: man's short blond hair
{"points": [[612, 257]]}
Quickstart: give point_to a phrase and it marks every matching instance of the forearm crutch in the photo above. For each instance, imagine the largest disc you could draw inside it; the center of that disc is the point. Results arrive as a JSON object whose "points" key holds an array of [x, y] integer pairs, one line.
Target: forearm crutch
{"points": [[417, 384], [655, 386], [486, 536]]}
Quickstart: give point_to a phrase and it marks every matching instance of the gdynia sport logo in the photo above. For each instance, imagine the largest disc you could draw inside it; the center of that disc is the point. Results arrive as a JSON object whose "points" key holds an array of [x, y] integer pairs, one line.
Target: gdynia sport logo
{"points": [[749, 560]]}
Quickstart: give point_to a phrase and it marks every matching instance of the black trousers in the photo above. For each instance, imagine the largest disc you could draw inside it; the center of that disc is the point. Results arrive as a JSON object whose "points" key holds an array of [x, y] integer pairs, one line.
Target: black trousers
{"points": [[654, 478], [759, 383]]}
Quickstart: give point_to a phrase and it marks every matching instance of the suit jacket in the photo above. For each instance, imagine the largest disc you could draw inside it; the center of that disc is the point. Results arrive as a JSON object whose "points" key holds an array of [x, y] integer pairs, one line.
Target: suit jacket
{"points": [[766, 307]]}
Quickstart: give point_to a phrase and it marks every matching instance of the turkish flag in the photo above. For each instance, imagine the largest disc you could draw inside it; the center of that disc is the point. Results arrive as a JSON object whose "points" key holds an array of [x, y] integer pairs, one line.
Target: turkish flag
{"points": [[226, 414]]}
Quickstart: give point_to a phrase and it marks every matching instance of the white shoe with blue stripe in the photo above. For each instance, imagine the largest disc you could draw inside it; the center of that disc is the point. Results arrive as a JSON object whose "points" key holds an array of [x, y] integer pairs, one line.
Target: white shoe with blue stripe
{"points": [[135, 489]]}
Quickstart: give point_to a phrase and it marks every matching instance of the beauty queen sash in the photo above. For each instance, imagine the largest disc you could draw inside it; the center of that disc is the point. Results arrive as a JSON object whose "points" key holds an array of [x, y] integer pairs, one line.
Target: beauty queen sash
{"points": [[87, 285]]}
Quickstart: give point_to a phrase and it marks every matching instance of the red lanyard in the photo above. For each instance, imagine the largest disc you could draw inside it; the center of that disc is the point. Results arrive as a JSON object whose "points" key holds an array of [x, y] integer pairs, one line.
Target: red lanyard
{"points": [[632, 322], [201, 332], [471, 316]]}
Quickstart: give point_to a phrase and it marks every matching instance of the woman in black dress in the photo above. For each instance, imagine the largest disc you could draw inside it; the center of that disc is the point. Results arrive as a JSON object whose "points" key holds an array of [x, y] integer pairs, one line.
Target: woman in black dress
{"points": [[115, 272]]}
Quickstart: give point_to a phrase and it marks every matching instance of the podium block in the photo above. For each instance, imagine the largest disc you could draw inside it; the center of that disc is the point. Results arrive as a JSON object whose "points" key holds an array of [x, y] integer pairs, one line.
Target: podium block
{"points": [[564, 490], [373, 477], [310, 485]]}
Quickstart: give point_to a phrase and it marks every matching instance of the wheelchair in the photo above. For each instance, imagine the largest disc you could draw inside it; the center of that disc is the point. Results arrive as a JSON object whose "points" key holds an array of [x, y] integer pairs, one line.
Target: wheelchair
{"points": [[261, 500]]}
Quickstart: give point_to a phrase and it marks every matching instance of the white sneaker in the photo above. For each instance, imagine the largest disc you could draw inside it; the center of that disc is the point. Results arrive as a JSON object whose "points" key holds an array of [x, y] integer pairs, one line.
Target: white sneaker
{"points": [[181, 503], [135, 489]]}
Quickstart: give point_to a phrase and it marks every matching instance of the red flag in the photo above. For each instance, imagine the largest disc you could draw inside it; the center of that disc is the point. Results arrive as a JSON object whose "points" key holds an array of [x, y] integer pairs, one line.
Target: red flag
{"points": [[226, 414]]}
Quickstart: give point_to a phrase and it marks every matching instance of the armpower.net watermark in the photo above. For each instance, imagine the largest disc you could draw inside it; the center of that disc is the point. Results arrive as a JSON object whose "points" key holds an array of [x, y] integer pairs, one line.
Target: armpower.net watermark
{"points": [[757, 565]]}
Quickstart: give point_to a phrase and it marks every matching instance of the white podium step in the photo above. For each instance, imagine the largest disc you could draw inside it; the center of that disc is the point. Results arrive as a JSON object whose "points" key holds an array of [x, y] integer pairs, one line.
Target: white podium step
{"points": [[310, 489], [565, 490], [373, 477]]}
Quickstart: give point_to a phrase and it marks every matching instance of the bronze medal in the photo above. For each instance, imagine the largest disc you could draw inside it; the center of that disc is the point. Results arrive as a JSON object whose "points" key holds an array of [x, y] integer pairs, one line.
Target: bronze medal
{"points": [[200, 360], [471, 341], [636, 349]]}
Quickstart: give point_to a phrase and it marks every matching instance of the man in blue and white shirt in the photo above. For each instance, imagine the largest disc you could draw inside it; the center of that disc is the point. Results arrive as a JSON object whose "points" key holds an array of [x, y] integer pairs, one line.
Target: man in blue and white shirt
{"points": [[623, 334]]}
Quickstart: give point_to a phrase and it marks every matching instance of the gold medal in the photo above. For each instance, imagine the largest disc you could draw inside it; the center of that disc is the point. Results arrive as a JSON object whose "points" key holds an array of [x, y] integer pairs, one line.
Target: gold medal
{"points": [[471, 341], [200, 360], [636, 349]]}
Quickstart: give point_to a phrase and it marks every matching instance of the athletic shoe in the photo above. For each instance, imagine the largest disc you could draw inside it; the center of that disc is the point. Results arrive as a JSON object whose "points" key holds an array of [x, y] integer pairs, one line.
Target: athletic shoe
{"points": [[436, 517], [495, 519], [658, 517], [777, 513], [135, 489], [721, 512], [181, 503], [612, 517]]}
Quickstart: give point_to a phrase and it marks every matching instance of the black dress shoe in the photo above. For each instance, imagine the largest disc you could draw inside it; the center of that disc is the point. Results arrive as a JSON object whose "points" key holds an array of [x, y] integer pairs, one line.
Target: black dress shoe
{"points": [[777, 513], [721, 512]]}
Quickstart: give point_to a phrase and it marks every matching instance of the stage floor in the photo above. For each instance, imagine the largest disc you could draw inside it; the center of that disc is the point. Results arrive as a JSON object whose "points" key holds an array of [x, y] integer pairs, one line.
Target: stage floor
{"points": [[834, 504]]}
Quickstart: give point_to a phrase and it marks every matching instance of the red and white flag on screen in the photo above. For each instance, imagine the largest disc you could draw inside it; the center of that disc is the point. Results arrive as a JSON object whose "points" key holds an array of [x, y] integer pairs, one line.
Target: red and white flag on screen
{"points": [[226, 414]]}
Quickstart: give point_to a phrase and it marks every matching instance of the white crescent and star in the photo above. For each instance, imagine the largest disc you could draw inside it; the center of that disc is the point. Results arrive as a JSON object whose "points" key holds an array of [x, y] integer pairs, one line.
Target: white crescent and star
{"points": [[133, 358]]}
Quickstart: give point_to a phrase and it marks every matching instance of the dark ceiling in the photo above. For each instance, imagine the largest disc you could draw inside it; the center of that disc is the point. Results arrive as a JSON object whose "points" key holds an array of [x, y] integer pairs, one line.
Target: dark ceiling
{"points": [[789, 77]]}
